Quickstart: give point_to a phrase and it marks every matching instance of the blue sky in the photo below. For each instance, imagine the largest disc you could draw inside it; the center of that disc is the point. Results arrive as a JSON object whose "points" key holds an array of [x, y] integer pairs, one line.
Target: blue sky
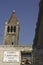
{"points": [[27, 14]]}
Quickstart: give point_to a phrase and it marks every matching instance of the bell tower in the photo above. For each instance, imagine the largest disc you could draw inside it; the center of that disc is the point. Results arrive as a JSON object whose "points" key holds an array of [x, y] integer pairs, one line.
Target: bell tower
{"points": [[11, 34]]}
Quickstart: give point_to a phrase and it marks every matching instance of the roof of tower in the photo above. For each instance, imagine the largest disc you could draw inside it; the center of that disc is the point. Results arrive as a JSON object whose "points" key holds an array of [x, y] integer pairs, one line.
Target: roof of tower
{"points": [[13, 17]]}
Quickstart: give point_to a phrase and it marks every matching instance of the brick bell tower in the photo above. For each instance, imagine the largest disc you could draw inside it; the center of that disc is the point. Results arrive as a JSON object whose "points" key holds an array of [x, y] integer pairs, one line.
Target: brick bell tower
{"points": [[11, 34]]}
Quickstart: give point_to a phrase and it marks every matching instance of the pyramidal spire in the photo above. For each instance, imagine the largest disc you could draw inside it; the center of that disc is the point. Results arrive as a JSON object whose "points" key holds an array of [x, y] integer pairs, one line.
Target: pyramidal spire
{"points": [[13, 17], [14, 13]]}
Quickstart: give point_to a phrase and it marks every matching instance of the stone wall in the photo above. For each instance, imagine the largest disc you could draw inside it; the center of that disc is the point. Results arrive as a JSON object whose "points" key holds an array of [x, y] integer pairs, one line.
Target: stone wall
{"points": [[7, 52]]}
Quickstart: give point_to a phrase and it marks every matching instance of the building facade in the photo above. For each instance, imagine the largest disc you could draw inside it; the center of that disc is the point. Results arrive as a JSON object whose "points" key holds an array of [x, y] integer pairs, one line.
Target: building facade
{"points": [[38, 40], [11, 53]]}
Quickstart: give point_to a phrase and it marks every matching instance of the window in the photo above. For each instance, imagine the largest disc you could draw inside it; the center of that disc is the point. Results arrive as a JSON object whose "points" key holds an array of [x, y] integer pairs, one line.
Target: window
{"points": [[12, 43], [14, 28], [25, 54], [8, 29], [11, 28]]}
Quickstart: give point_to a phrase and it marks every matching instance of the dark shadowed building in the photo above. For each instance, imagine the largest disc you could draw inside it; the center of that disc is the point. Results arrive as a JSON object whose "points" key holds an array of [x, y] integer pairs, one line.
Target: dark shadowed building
{"points": [[38, 40]]}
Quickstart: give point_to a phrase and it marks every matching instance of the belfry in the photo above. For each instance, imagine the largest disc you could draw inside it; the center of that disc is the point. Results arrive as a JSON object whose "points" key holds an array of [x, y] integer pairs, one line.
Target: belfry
{"points": [[11, 34]]}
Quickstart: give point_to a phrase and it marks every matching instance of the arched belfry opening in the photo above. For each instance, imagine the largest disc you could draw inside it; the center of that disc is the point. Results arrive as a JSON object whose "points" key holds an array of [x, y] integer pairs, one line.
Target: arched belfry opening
{"points": [[8, 29], [14, 28], [11, 28]]}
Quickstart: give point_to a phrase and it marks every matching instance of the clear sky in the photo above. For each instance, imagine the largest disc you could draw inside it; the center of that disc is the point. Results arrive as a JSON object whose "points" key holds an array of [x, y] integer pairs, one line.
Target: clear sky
{"points": [[27, 14]]}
